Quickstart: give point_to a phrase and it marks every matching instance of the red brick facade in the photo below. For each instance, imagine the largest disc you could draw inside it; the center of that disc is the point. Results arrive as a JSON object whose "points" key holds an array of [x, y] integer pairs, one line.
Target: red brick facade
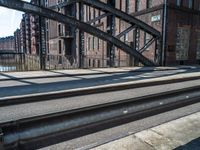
{"points": [[181, 20], [179, 25], [7, 44]]}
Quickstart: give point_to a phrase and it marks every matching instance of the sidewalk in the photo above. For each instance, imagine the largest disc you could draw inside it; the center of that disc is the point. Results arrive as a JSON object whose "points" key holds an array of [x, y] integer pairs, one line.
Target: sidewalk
{"points": [[75, 72], [36, 85], [180, 134]]}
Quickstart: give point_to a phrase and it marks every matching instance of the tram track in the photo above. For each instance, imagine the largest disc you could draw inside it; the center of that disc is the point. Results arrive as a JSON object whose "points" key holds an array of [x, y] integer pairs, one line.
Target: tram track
{"points": [[39, 131]]}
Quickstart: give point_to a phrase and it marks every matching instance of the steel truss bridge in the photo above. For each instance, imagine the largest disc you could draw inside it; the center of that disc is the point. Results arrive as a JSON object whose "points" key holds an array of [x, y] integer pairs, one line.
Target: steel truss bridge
{"points": [[111, 38]]}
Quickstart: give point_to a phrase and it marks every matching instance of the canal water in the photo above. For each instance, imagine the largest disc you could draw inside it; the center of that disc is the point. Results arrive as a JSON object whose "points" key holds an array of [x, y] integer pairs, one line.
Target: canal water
{"points": [[7, 68]]}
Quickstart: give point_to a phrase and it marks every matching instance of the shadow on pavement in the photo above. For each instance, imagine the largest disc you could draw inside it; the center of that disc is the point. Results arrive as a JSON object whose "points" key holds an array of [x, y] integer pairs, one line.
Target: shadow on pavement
{"points": [[193, 145], [86, 81], [16, 79]]}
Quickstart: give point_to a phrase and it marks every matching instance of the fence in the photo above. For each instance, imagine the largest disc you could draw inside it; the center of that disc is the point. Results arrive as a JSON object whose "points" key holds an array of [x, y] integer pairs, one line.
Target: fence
{"points": [[101, 62], [19, 62], [25, 62], [54, 62]]}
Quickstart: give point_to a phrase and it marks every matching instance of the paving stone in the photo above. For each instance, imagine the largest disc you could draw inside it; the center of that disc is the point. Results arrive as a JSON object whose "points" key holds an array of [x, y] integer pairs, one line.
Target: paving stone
{"points": [[128, 143], [182, 130], [158, 141], [180, 134]]}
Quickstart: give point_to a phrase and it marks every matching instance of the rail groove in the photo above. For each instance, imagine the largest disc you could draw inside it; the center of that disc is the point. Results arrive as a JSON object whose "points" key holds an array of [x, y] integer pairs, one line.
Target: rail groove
{"points": [[40, 131]]}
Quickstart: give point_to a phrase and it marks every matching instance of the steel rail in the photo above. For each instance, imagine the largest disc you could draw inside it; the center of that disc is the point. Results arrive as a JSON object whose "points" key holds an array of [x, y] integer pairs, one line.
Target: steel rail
{"points": [[50, 14], [40, 131], [85, 91]]}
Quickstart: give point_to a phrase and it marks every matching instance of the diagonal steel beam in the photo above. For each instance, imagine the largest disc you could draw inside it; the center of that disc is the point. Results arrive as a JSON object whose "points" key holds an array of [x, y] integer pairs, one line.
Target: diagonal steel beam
{"points": [[126, 17], [48, 13], [99, 17], [125, 31], [147, 45], [65, 3]]}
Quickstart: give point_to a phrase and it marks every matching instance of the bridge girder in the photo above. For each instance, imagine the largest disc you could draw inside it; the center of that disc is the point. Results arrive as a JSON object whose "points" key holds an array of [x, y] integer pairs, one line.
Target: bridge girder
{"points": [[50, 14], [120, 14], [134, 23]]}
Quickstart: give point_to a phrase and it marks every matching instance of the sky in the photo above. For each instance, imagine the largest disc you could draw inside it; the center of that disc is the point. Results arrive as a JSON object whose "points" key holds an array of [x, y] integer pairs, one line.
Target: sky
{"points": [[9, 21]]}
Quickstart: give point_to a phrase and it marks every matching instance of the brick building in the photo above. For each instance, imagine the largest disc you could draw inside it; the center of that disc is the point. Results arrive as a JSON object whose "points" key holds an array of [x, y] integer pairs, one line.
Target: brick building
{"points": [[177, 20], [183, 32], [179, 23], [34, 32], [27, 36], [67, 41], [89, 50], [61, 45], [17, 40], [23, 35], [7, 44]]}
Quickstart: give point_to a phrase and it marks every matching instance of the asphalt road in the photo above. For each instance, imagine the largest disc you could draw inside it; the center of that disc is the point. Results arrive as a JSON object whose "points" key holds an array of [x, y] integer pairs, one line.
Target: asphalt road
{"points": [[41, 85], [15, 112]]}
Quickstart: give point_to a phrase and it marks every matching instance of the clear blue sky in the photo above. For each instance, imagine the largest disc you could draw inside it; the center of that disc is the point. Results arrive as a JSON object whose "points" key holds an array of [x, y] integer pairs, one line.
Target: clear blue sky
{"points": [[10, 21]]}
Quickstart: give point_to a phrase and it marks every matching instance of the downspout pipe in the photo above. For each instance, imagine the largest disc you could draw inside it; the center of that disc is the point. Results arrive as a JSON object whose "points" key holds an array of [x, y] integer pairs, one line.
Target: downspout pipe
{"points": [[164, 33]]}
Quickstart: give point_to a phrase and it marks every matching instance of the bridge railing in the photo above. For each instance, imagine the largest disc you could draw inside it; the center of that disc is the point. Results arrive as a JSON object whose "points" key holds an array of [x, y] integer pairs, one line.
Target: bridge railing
{"points": [[54, 62], [18, 62], [27, 62]]}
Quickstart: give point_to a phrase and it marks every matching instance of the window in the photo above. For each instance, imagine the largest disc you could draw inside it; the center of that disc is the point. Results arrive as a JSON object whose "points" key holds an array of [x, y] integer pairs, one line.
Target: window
{"points": [[99, 13], [47, 25], [87, 13], [98, 43], [59, 30], [88, 43], [60, 46], [190, 3], [94, 64], [93, 42], [94, 14], [90, 13], [149, 3], [89, 62], [198, 46], [147, 38], [182, 43], [199, 6], [127, 6], [126, 37], [137, 5], [99, 64], [178, 2]]}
